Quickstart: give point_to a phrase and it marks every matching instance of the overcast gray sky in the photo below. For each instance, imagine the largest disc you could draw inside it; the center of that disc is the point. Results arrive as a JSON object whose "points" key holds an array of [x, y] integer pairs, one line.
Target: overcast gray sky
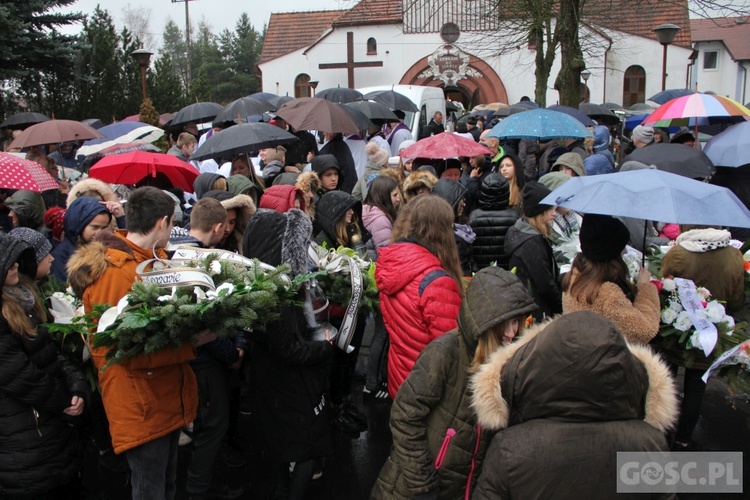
{"points": [[219, 14]]}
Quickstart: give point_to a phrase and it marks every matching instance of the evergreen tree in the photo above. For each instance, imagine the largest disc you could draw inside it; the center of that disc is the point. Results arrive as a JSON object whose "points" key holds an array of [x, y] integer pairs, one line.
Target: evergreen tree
{"points": [[173, 44], [165, 87], [200, 90]]}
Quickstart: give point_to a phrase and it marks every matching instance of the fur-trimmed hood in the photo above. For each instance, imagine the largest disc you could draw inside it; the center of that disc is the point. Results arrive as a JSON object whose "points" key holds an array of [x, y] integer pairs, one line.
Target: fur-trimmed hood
{"points": [[91, 185], [575, 368], [416, 180], [308, 182], [89, 262]]}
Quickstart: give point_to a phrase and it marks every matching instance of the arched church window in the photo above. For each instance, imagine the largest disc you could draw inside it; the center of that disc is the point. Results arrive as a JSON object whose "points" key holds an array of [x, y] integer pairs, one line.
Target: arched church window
{"points": [[372, 47], [302, 86], [634, 86]]}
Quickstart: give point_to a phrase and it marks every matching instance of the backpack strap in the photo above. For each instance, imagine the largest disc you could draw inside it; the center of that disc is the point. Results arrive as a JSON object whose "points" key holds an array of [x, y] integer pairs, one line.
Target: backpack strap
{"points": [[429, 278]]}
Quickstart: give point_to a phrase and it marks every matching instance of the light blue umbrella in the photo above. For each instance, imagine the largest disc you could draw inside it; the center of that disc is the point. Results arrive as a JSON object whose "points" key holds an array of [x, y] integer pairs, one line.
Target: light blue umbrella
{"points": [[541, 124], [730, 148], [652, 195]]}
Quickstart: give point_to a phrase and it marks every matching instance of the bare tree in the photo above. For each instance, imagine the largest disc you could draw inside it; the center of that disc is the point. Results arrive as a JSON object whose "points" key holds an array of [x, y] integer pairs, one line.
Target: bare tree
{"points": [[136, 20]]}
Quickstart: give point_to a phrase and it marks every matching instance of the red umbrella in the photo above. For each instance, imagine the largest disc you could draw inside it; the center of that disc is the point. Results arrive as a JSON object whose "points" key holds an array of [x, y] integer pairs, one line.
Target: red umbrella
{"points": [[444, 145], [54, 132], [17, 173], [131, 168]]}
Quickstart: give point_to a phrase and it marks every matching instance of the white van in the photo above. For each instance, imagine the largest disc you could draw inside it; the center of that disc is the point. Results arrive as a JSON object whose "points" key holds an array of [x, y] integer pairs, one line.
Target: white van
{"points": [[427, 99]]}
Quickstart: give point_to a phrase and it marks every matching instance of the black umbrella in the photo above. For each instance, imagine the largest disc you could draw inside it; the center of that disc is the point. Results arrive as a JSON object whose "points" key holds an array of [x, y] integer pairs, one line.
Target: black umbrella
{"points": [[674, 158], [600, 113], [575, 113], [376, 112], [199, 112], [511, 110], [279, 101], [358, 117], [23, 120], [612, 106], [242, 138], [669, 94], [242, 108], [94, 123], [339, 95], [392, 99]]}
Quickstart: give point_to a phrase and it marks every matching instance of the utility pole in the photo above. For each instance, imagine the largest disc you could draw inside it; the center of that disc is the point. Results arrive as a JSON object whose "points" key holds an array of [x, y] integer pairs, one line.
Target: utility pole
{"points": [[187, 42]]}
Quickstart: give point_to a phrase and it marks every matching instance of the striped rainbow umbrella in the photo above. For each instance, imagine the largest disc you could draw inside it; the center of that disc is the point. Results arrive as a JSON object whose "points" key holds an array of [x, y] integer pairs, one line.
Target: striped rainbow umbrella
{"points": [[698, 109]]}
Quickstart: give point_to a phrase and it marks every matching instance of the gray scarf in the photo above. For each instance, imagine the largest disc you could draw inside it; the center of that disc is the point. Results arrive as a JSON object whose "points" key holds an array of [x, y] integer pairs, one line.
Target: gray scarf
{"points": [[22, 295]]}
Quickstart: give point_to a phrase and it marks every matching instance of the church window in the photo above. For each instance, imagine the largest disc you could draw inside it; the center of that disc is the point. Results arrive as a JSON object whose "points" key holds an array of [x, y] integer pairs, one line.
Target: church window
{"points": [[634, 86], [372, 47], [302, 86]]}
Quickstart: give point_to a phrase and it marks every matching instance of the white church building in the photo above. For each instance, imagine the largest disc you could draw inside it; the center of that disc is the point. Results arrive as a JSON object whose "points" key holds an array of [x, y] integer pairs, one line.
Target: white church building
{"points": [[455, 45]]}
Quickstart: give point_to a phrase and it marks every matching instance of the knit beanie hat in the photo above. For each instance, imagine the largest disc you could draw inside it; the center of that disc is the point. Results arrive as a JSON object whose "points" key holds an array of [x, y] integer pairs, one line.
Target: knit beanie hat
{"points": [[533, 194], [41, 245], [602, 237], [643, 134], [376, 154], [571, 160], [54, 218]]}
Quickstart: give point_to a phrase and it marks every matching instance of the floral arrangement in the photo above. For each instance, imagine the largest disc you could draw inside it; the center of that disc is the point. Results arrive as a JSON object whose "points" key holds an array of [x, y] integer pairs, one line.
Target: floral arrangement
{"points": [[334, 277], [746, 257], [682, 343]]}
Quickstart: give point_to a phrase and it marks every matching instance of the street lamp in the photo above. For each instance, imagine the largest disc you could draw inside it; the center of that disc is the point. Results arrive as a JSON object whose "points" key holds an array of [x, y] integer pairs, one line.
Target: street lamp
{"points": [[586, 74], [313, 86], [143, 58], [665, 33]]}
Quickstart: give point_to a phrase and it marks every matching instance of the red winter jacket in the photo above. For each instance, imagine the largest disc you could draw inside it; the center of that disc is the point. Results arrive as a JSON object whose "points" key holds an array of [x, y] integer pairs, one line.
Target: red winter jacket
{"points": [[281, 198], [413, 320]]}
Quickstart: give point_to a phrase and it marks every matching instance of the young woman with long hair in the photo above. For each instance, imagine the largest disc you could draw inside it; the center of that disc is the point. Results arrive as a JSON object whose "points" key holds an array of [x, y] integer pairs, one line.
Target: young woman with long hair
{"points": [[378, 214], [529, 251], [511, 168], [433, 424], [41, 392], [420, 282], [599, 281]]}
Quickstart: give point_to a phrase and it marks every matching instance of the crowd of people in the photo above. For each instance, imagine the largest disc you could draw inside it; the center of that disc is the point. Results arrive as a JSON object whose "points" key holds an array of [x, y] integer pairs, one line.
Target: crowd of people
{"points": [[505, 324]]}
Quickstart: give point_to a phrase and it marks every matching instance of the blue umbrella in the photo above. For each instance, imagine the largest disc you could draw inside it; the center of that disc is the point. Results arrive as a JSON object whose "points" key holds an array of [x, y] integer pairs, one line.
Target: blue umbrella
{"points": [[669, 94], [575, 113], [541, 124], [633, 121], [730, 148], [652, 195]]}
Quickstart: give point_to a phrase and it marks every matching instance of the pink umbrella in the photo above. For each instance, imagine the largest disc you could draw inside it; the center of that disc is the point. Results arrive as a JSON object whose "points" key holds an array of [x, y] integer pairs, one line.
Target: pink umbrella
{"points": [[131, 168], [444, 145], [17, 173]]}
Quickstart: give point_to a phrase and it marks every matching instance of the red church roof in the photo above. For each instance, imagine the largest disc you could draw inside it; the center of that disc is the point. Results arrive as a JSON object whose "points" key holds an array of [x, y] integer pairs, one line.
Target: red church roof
{"points": [[290, 31]]}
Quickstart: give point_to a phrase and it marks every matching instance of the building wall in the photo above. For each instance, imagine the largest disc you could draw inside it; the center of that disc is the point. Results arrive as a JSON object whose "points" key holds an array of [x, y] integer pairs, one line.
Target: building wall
{"points": [[723, 79], [399, 51]]}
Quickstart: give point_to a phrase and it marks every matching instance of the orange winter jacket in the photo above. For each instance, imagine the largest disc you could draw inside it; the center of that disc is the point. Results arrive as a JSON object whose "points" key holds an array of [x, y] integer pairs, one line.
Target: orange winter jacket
{"points": [[147, 396]]}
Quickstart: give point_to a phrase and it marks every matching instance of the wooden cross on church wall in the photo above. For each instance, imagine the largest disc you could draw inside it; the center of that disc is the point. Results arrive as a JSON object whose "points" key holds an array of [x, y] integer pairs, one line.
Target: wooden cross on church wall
{"points": [[350, 64]]}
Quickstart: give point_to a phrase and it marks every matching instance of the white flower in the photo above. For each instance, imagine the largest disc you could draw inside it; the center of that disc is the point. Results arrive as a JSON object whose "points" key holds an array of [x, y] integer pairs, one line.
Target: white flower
{"points": [[214, 268], [682, 322], [167, 298], [59, 295], [695, 341], [669, 285], [728, 323], [69, 299], [704, 292], [675, 306], [70, 291], [668, 316], [715, 311], [224, 287], [200, 295]]}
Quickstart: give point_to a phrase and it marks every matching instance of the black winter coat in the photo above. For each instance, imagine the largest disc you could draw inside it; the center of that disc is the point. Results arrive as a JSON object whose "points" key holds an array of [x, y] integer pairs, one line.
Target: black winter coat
{"points": [[491, 222], [331, 208], [40, 450], [453, 192], [531, 254]]}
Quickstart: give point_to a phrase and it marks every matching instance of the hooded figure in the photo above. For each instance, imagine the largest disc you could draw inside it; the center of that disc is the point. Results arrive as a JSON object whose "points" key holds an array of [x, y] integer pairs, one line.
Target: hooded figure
{"points": [[417, 180], [566, 397], [338, 148], [239, 184], [204, 183], [455, 193], [80, 213], [309, 183], [282, 198], [331, 208], [41, 450], [491, 221], [290, 401], [29, 208], [601, 145], [91, 187], [321, 163], [433, 406], [244, 208]]}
